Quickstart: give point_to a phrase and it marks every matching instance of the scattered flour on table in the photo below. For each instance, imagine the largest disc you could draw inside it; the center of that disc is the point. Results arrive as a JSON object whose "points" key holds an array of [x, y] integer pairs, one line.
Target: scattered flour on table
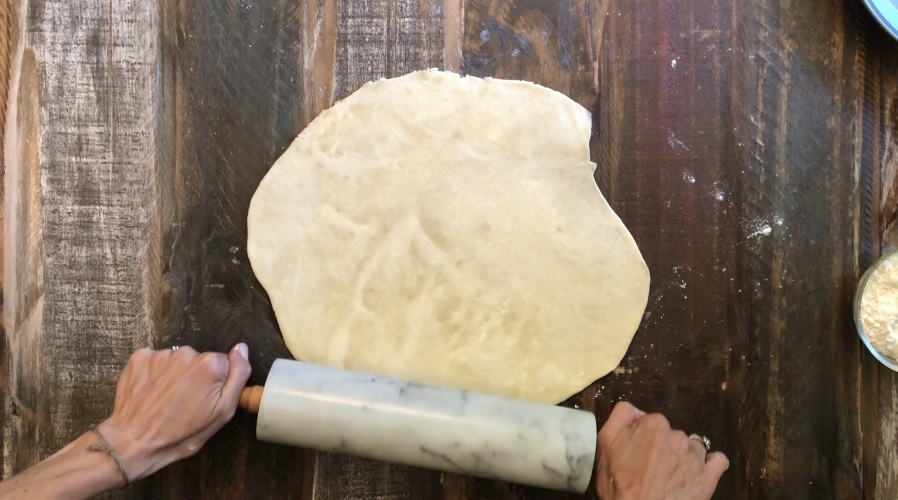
{"points": [[762, 226], [674, 142], [761, 231], [879, 308], [719, 191]]}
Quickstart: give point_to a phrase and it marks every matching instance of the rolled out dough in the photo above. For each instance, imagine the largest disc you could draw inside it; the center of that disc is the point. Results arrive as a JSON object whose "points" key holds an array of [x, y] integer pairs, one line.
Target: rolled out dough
{"points": [[448, 230]]}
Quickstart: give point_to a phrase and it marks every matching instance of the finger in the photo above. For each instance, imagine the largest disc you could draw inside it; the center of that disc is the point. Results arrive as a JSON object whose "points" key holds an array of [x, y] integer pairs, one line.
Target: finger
{"points": [[133, 378], [677, 444], [215, 364], [716, 463], [138, 358], [137, 370], [142, 353], [183, 352], [238, 373], [689, 468], [622, 416], [697, 448]]}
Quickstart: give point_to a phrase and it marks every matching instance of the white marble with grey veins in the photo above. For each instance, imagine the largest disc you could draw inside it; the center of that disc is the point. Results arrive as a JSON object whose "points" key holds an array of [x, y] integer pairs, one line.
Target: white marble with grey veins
{"points": [[446, 429]]}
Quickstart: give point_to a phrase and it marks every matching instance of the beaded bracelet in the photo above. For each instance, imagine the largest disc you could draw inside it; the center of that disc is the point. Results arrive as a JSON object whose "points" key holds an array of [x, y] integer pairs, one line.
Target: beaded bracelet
{"points": [[104, 447]]}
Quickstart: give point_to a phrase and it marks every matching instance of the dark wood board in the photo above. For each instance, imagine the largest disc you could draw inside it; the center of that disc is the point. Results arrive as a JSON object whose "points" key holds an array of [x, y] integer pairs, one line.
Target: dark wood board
{"points": [[749, 146]]}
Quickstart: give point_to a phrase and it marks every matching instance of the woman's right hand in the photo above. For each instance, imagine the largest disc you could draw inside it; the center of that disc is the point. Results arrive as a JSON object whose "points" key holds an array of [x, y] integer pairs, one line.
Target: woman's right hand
{"points": [[641, 457], [169, 403]]}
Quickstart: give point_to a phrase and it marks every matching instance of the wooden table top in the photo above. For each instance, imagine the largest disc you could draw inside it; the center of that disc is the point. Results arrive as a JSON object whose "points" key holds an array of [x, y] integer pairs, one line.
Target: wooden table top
{"points": [[750, 146]]}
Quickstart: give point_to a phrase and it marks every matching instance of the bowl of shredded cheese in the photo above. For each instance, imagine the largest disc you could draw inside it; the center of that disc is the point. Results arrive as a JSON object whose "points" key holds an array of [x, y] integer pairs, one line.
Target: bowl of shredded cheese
{"points": [[876, 309]]}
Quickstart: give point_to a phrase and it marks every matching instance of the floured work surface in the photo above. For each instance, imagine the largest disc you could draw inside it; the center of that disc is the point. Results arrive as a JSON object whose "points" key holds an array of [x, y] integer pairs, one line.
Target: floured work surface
{"points": [[448, 230]]}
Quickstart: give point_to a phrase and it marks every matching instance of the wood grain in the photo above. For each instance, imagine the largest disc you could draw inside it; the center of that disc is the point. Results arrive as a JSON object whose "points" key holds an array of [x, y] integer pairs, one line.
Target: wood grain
{"points": [[80, 253], [554, 44], [751, 147], [663, 154], [806, 139], [217, 137], [76, 184], [879, 406], [380, 39], [9, 39]]}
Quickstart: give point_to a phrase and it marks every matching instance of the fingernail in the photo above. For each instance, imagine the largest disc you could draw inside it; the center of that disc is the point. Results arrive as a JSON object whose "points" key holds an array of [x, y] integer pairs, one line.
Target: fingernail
{"points": [[639, 412], [242, 350]]}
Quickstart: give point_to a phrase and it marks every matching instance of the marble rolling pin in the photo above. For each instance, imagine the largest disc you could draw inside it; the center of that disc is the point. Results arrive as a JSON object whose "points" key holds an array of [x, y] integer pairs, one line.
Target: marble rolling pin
{"points": [[451, 430]]}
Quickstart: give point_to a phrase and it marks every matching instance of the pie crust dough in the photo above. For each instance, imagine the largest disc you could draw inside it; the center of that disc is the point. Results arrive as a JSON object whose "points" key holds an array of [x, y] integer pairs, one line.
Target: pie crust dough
{"points": [[448, 230]]}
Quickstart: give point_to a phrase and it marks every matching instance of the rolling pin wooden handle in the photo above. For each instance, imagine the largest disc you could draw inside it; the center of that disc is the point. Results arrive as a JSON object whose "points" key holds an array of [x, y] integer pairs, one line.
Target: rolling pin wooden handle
{"points": [[250, 398]]}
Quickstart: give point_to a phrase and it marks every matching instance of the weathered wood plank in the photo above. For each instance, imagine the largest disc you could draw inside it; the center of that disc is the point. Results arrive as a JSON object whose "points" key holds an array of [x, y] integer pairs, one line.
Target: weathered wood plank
{"points": [[9, 39], [225, 130], [66, 154], [778, 327], [385, 39], [554, 44], [663, 153], [81, 263], [23, 287], [373, 40], [229, 104], [795, 351], [879, 406], [453, 12], [318, 21]]}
